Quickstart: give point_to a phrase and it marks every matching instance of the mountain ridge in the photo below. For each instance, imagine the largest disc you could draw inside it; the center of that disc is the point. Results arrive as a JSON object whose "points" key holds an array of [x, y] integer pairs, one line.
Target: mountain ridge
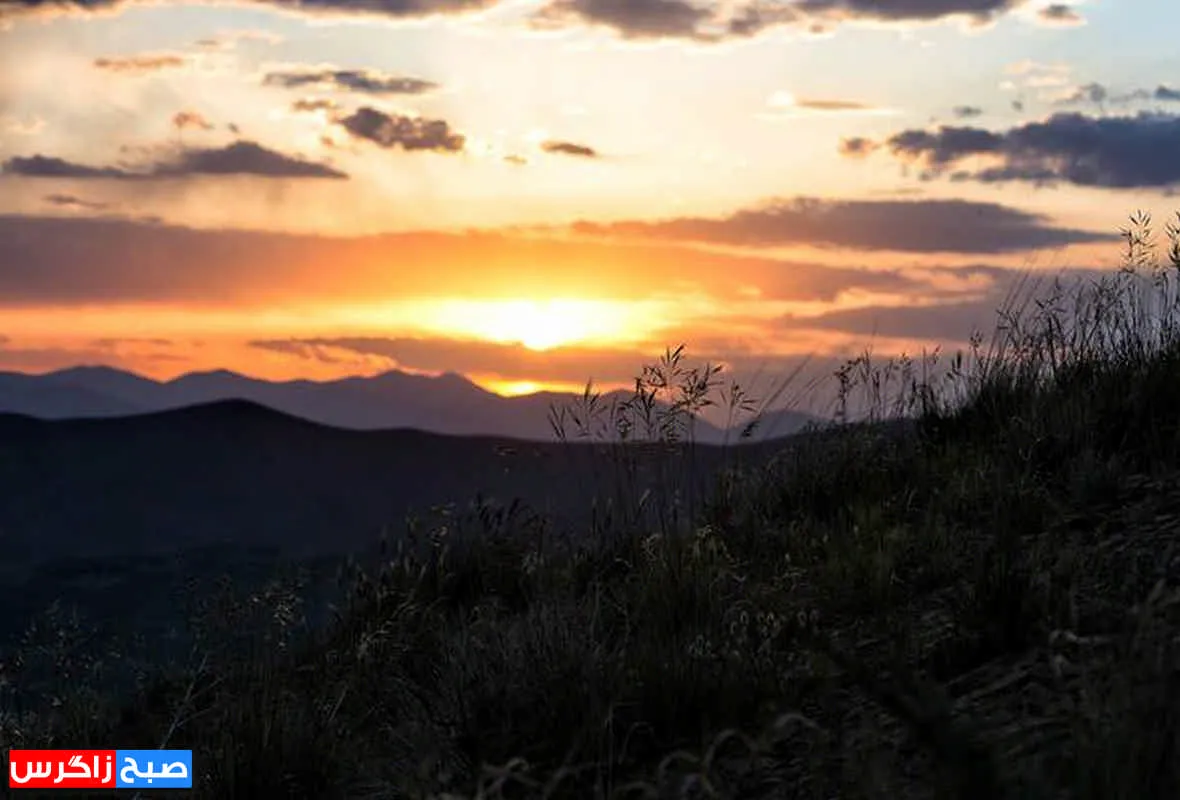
{"points": [[448, 403]]}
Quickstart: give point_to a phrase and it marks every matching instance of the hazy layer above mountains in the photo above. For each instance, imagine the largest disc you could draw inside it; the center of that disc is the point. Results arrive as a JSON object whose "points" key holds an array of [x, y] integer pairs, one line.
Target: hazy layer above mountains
{"points": [[447, 404]]}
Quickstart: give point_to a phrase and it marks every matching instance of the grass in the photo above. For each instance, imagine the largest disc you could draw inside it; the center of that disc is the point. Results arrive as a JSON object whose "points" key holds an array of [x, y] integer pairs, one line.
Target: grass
{"points": [[969, 588]]}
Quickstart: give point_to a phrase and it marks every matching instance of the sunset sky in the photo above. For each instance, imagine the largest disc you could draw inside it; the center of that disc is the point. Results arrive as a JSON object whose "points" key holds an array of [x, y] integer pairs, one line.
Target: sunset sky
{"points": [[535, 192]]}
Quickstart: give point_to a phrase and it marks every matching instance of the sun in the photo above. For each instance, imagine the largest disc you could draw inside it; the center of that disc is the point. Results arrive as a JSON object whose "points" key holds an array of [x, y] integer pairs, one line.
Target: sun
{"points": [[538, 325]]}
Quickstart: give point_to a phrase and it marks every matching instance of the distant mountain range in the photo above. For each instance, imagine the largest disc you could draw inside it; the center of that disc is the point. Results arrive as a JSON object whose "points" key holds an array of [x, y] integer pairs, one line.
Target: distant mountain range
{"points": [[448, 404]]}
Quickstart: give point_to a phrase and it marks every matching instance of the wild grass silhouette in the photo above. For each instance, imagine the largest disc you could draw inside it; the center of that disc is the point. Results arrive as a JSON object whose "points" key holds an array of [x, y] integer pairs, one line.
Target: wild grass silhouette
{"points": [[966, 589]]}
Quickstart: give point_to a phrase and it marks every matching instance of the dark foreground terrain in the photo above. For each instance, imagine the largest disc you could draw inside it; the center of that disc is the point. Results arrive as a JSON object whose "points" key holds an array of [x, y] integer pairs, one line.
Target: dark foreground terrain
{"points": [[984, 606]]}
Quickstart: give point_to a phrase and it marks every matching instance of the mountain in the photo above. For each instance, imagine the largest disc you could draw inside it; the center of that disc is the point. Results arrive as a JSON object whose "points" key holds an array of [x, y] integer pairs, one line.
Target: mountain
{"points": [[53, 397], [235, 472], [448, 403]]}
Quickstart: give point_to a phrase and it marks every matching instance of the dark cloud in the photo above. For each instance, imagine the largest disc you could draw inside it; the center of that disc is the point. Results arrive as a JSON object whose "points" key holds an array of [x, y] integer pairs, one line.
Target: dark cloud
{"points": [[74, 202], [408, 133], [633, 19], [1059, 14], [967, 112], [910, 10], [245, 158], [239, 158], [1098, 94], [702, 21], [39, 166], [190, 119], [136, 65], [569, 149], [356, 80], [857, 147], [407, 9], [900, 225], [1112, 151], [757, 16]]}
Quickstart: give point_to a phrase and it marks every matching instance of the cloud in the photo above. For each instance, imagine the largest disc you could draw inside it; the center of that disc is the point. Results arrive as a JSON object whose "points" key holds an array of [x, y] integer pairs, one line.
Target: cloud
{"points": [[227, 40], [1117, 152], [39, 166], [139, 64], [1088, 93], [239, 158], [131, 261], [1059, 14], [638, 19], [900, 225], [397, 130], [244, 158], [312, 105], [911, 10], [356, 80], [393, 9], [967, 112], [190, 119], [1167, 94], [127, 354], [784, 105], [569, 149], [471, 357], [73, 202], [713, 22], [831, 105], [857, 147], [954, 318]]}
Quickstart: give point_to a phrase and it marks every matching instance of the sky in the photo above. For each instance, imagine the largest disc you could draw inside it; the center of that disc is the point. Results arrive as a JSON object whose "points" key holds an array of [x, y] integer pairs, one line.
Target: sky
{"points": [[533, 193]]}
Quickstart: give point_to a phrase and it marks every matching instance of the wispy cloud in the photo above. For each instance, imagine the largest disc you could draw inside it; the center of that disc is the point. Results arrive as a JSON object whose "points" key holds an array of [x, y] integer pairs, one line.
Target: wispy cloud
{"points": [[899, 225], [356, 80], [190, 119], [142, 64], [70, 201]]}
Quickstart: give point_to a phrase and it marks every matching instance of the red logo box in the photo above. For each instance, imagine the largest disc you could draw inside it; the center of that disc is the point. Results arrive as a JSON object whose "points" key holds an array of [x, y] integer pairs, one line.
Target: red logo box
{"points": [[61, 769]]}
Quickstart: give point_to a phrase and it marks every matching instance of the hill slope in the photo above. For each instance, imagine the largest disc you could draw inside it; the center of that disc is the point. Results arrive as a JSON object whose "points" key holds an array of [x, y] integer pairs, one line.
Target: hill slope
{"points": [[236, 471]]}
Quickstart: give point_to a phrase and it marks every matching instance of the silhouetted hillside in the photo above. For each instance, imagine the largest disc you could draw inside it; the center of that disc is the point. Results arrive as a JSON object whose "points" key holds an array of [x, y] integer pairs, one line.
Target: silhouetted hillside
{"points": [[238, 472]]}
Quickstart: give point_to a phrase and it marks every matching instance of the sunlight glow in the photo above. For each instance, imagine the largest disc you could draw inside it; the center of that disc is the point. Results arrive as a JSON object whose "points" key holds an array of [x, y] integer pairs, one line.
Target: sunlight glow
{"points": [[535, 324]]}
